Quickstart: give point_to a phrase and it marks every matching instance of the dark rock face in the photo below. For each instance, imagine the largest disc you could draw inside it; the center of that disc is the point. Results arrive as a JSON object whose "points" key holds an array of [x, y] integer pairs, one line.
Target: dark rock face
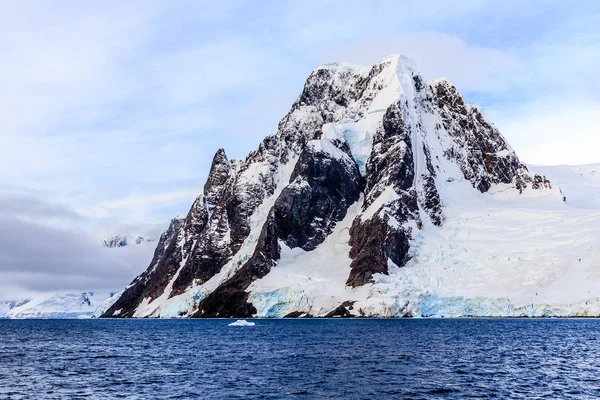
{"points": [[319, 87], [231, 195], [152, 282], [479, 149], [342, 311], [325, 96], [297, 314], [321, 190], [429, 198], [208, 247], [382, 237], [219, 172], [231, 298], [211, 250], [540, 182], [250, 186], [179, 245], [214, 229], [367, 252], [391, 161], [333, 85]]}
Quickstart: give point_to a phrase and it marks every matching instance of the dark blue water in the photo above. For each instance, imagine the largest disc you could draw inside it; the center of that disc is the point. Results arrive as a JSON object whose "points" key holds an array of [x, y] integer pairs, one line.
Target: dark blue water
{"points": [[348, 359]]}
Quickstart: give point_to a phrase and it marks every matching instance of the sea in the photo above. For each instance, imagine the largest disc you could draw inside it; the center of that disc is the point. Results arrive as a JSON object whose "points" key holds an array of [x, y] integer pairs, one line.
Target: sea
{"points": [[300, 359]]}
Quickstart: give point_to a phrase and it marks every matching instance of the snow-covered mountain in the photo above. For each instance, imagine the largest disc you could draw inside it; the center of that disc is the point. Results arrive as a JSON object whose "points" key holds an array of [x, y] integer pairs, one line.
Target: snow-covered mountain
{"points": [[7, 306], [580, 184], [70, 305], [125, 240], [382, 195]]}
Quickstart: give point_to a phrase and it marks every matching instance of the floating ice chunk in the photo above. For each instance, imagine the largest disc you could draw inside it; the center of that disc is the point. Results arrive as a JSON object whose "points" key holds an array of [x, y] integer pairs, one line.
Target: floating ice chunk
{"points": [[241, 322]]}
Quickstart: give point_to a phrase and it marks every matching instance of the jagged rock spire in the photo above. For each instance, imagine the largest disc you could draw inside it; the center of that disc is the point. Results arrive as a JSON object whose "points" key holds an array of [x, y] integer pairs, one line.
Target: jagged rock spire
{"points": [[219, 172]]}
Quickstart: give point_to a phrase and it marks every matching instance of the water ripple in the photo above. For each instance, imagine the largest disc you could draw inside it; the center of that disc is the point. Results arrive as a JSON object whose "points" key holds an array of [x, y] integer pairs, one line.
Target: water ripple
{"points": [[303, 359]]}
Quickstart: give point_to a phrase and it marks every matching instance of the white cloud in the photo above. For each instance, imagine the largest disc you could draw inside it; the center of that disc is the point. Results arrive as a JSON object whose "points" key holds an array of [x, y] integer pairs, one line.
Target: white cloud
{"points": [[37, 257], [469, 67], [32, 208], [542, 95], [565, 131], [138, 206]]}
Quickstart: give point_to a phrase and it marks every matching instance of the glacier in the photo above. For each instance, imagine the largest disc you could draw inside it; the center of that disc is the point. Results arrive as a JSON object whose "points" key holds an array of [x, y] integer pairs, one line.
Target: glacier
{"points": [[59, 306], [496, 255], [242, 322]]}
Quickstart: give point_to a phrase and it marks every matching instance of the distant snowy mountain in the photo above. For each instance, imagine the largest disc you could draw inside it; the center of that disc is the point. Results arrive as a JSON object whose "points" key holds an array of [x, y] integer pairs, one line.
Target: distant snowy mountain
{"points": [[380, 195], [127, 250], [122, 241], [7, 306], [580, 184], [73, 305]]}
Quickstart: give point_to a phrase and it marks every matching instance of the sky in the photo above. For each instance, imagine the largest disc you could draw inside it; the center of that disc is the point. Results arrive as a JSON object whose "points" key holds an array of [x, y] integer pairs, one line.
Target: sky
{"points": [[110, 112]]}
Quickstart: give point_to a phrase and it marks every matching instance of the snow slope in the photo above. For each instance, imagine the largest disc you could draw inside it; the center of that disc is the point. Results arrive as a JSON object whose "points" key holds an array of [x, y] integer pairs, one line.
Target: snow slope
{"points": [[497, 254], [70, 305], [7, 306], [580, 184]]}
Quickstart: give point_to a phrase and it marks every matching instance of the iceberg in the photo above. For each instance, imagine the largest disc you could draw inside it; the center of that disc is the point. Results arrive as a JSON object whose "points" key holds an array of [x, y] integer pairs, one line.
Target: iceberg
{"points": [[241, 322]]}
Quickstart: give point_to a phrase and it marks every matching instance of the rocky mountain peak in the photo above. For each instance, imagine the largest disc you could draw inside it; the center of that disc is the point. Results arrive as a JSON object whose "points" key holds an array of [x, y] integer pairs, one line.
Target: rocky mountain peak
{"points": [[358, 168], [219, 171]]}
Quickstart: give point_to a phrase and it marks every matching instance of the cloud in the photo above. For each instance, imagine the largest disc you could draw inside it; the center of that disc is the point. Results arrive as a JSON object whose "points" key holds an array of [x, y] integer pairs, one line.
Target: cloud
{"points": [[109, 102], [547, 131], [319, 24], [46, 246], [140, 205], [542, 94], [470, 67], [21, 206], [36, 257]]}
